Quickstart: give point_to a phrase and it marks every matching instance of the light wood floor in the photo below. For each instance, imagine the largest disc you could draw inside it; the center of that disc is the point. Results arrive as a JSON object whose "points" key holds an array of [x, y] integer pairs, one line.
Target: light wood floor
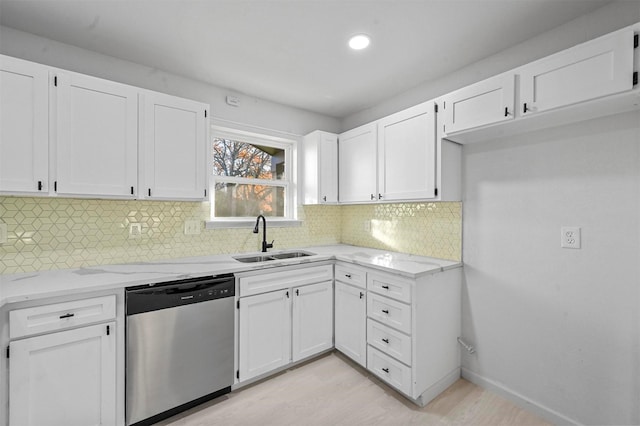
{"points": [[332, 390]]}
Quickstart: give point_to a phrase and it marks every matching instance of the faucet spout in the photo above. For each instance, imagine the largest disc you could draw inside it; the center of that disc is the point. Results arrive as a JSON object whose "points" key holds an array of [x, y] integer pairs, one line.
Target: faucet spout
{"points": [[265, 245]]}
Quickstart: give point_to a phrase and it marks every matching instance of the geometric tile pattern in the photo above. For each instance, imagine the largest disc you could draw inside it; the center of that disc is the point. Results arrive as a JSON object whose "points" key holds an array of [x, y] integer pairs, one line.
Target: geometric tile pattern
{"points": [[427, 229], [54, 233]]}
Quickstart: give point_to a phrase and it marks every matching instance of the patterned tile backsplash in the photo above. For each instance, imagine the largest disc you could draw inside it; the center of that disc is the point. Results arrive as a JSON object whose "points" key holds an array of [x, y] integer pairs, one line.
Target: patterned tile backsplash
{"points": [[54, 233]]}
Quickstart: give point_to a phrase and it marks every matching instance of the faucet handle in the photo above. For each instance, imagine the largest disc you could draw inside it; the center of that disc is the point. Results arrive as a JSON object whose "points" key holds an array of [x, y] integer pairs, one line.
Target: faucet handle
{"points": [[270, 245]]}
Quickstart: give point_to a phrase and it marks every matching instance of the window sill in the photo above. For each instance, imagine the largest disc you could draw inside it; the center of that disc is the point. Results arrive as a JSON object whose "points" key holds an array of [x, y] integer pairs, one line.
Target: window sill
{"points": [[250, 223]]}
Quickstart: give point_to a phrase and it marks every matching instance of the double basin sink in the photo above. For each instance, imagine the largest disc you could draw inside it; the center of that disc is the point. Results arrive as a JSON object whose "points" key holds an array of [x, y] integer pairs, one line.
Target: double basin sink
{"points": [[274, 256]]}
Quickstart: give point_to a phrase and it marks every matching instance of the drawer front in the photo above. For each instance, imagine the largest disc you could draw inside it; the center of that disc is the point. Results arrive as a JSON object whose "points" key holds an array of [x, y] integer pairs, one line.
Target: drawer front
{"points": [[389, 341], [390, 370], [271, 281], [60, 316], [389, 286], [351, 275], [389, 312]]}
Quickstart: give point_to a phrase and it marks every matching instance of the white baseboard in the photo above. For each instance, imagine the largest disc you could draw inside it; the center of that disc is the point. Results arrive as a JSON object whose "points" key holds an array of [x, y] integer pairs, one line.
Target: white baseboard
{"points": [[519, 400]]}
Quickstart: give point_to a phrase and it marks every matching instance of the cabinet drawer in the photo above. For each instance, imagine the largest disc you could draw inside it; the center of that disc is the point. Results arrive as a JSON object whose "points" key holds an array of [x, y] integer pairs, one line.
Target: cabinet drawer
{"points": [[59, 316], [389, 341], [388, 369], [389, 312], [351, 275], [271, 281], [389, 286]]}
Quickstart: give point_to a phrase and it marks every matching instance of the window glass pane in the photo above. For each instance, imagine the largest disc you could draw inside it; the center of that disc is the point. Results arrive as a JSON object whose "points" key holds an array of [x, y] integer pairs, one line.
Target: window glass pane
{"points": [[242, 200], [241, 159]]}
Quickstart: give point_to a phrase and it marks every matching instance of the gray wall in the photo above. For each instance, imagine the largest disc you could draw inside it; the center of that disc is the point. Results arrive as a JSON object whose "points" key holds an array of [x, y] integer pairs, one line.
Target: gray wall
{"points": [[559, 327], [252, 112]]}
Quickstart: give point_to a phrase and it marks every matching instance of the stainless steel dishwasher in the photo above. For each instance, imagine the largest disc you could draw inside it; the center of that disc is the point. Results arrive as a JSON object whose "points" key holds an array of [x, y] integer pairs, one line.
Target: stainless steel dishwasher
{"points": [[180, 346]]}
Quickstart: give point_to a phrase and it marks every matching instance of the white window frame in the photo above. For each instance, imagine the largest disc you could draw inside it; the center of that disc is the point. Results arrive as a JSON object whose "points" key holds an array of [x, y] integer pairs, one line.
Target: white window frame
{"points": [[289, 146]]}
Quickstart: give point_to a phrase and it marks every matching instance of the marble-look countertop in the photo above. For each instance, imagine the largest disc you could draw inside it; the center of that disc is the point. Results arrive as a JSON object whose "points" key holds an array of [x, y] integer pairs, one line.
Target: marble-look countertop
{"points": [[63, 282]]}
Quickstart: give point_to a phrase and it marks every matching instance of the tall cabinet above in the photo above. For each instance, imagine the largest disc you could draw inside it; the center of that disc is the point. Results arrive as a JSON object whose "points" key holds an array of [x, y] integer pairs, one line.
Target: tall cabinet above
{"points": [[73, 135]]}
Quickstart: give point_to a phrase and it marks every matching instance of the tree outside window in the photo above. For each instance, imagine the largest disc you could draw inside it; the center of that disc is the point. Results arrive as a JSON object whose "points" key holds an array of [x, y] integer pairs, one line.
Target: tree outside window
{"points": [[249, 179]]}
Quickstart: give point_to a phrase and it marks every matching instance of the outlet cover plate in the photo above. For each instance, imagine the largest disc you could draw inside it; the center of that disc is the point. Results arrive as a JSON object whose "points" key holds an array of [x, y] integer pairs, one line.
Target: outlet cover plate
{"points": [[570, 237], [191, 227], [135, 231]]}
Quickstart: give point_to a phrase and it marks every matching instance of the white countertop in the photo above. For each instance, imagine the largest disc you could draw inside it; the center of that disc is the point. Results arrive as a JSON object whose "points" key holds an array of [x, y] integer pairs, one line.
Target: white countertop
{"points": [[62, 282]]}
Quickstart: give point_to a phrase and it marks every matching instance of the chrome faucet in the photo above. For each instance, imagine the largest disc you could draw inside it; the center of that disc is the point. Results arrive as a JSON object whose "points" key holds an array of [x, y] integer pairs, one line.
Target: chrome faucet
{"points": [[265, 245]]}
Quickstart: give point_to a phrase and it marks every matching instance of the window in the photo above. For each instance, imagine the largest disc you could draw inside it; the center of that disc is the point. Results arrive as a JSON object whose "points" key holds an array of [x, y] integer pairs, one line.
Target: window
{"points": [[252, 175]]}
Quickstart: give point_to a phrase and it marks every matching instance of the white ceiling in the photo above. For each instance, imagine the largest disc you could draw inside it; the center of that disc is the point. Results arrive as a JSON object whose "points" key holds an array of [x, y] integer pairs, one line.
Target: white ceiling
{"points": [[295, 51]]}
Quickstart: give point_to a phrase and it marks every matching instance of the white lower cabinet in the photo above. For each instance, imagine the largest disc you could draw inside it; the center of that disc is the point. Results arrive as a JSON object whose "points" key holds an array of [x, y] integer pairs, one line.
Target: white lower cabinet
{"points": [[412, 330], [351, 322], [265, 333], [282, 326], [67, 377]]}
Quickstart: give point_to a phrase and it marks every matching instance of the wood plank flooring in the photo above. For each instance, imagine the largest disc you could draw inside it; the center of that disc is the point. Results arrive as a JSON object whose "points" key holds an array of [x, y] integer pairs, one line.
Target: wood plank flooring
{"points": [[332, 390]]}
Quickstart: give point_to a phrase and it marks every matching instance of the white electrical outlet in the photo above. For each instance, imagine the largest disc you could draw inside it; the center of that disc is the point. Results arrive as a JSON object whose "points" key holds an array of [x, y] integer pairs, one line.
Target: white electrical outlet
{"points": [[367, 226], [135, 231], [570, 237], [191, 227], [3, 233]]}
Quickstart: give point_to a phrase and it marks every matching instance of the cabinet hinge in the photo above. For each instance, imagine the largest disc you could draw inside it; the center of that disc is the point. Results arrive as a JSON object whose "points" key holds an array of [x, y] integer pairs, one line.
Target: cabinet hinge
{"points": [[108, 330], [635, 41], [55, 81], [635, 78], [435, 107], [8, 352], [238, 374]]}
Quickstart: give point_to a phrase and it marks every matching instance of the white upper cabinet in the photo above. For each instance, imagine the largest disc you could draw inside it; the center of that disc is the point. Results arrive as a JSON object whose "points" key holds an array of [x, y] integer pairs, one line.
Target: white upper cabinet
{"points": [[407, 154], [173, 149], [597, 68], [320, 168], [486, 102], [358, 156], [24, 137], [96, 137]]}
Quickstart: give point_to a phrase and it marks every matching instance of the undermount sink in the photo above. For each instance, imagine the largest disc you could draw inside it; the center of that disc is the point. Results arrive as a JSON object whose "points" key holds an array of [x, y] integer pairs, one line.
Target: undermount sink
{"points": [[268, 257]]}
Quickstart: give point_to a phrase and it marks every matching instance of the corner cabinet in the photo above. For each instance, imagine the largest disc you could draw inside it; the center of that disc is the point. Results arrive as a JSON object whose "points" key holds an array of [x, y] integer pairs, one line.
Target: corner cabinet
{"points": [[358, 158], [173, 147], [320, 168], [407, 154], [96, 137], [24, 132]]}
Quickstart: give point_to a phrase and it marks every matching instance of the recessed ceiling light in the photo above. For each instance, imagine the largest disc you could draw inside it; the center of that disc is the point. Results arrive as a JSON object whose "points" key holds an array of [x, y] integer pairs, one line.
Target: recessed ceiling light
{"points": [[359, 41]]}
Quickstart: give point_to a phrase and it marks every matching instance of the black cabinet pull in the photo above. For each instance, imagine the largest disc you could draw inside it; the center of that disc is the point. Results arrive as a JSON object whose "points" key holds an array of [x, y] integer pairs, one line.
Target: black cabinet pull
{"points": [[386, 341], [379, 196], [386, 287], [324, 198], [386, 370], [287, 294], [297, 292], [525, 107], [385, 311], [361, 295], [149, 192], [348, 275], [506, 111], [39, 185], [373, 197], [132, 190], [69, 315]]}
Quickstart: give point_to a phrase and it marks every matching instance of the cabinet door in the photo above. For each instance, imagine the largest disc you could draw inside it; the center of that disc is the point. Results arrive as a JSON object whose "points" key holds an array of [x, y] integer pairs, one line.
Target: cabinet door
{"points": [[357, 164], [96, 137], [265, 333], [65, 378], [24, 120], [320, 168], [351, 322], [487, 102], [407, 149], [590, 70], [174, 147], [312, 319]]}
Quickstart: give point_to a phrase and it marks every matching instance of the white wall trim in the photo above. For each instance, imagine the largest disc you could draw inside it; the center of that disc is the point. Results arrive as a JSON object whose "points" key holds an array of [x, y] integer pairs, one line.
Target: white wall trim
{"points": [[518, 399]]}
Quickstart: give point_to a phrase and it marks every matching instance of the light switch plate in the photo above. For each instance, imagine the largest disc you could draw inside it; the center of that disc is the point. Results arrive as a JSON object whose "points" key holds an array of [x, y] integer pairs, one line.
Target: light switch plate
{"points": [[570, 237], [3, 233]]}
